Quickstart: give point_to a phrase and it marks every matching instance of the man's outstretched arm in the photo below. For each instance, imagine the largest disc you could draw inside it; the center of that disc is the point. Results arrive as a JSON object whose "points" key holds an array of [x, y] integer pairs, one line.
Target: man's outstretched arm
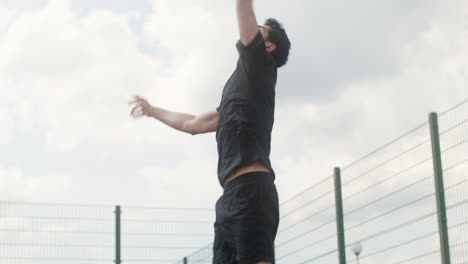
{"points": [[191, 124], [248, 27]]}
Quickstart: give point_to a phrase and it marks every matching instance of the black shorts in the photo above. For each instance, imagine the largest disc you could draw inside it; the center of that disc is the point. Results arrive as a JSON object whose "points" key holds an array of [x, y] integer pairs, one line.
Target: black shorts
{"points": [[247, 217]]}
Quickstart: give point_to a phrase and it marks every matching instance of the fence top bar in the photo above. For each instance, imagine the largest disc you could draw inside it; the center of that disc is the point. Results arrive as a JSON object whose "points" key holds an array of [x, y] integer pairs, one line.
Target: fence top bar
{"points": [[99, 205], [453, 107], [167, 208]]}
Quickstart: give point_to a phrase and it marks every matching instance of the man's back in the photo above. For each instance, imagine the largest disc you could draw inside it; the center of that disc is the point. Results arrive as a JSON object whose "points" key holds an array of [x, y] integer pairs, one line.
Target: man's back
{"points": [[246, 111]]}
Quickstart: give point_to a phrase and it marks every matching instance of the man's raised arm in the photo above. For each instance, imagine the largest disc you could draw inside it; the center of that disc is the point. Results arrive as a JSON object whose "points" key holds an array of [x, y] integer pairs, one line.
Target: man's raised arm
{"points": [[248, 27], [194, 125]]}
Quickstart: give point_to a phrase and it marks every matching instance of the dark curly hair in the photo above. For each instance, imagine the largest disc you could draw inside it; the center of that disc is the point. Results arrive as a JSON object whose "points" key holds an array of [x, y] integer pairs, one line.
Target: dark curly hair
{"points": [[278, 36]]}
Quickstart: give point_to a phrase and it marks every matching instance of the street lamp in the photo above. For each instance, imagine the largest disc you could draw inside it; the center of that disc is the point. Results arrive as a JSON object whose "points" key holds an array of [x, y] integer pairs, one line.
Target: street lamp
{"points": [[357, 249]]}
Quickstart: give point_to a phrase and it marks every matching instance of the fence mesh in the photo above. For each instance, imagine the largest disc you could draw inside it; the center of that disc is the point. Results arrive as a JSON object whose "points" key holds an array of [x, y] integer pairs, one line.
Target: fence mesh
{"points": [[33, 233], [202, 255], [307, 230], [453, 127], [165, 235], [389, 202]]}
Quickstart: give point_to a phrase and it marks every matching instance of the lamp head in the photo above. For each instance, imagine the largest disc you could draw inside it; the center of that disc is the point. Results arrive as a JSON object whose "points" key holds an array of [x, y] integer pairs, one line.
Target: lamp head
{"points": [[357, 248]]}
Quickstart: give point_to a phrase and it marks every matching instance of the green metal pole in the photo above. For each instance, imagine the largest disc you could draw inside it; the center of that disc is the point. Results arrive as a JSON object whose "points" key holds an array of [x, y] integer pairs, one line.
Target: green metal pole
{"points": [[185, 260], [118, 212], [339, 217], [440, 190]]}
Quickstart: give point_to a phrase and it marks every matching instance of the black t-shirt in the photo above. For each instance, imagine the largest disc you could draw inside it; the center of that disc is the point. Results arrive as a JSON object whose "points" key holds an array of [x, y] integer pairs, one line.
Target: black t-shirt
{"points": [[246, 112]]}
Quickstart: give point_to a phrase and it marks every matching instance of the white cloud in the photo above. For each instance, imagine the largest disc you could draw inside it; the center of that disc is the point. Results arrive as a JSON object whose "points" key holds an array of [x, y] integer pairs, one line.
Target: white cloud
{"points": [[6, 127], [75, 80], [6, 16], [189, 181], [431, 76], [77, 77], [198, 44], [15, 185]]}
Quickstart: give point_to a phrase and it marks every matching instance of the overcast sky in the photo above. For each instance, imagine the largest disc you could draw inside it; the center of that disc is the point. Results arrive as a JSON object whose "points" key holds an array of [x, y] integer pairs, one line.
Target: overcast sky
{"points": [[360, 74]]}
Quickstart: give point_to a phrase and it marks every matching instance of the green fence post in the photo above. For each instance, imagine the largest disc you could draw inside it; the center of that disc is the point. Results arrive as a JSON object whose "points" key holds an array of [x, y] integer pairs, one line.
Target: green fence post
{"points": [[118, 259], [274, 252], [185, 260], [339, 217], [440, 190]]}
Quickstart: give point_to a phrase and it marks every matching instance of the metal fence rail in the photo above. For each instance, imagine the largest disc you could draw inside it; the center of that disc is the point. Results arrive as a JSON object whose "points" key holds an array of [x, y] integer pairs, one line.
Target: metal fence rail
{"points": [[406, 202]]}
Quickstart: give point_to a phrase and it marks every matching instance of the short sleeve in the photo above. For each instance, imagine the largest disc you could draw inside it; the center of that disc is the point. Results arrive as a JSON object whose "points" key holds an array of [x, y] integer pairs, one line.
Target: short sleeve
{"points": [[255, 52]]}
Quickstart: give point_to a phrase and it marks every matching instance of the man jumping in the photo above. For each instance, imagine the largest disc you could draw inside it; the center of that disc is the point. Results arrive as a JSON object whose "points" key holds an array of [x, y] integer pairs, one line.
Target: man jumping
{"points": [[247, 214]]}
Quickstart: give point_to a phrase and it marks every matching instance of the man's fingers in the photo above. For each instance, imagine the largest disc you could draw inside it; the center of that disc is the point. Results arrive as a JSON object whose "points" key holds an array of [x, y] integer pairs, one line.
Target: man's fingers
{"points": [[137, 112], [136, 108], [134, 103], [139, 98], [136, 100]]}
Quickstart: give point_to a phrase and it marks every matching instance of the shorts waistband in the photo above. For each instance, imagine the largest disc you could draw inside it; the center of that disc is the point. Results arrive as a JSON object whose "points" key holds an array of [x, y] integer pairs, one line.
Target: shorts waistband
{"points": [[256, 176]]}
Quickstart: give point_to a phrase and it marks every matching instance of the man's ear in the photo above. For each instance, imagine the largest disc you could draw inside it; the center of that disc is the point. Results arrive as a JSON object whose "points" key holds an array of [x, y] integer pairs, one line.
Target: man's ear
{"points": [[270, 47]]}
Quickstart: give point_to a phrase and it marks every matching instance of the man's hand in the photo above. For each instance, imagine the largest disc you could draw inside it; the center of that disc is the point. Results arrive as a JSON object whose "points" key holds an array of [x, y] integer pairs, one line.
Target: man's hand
{"points": [[141, 107]]}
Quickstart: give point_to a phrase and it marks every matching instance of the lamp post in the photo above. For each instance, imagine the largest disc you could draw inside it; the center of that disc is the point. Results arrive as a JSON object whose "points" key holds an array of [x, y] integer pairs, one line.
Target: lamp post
{"points": [[357, 249]]}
